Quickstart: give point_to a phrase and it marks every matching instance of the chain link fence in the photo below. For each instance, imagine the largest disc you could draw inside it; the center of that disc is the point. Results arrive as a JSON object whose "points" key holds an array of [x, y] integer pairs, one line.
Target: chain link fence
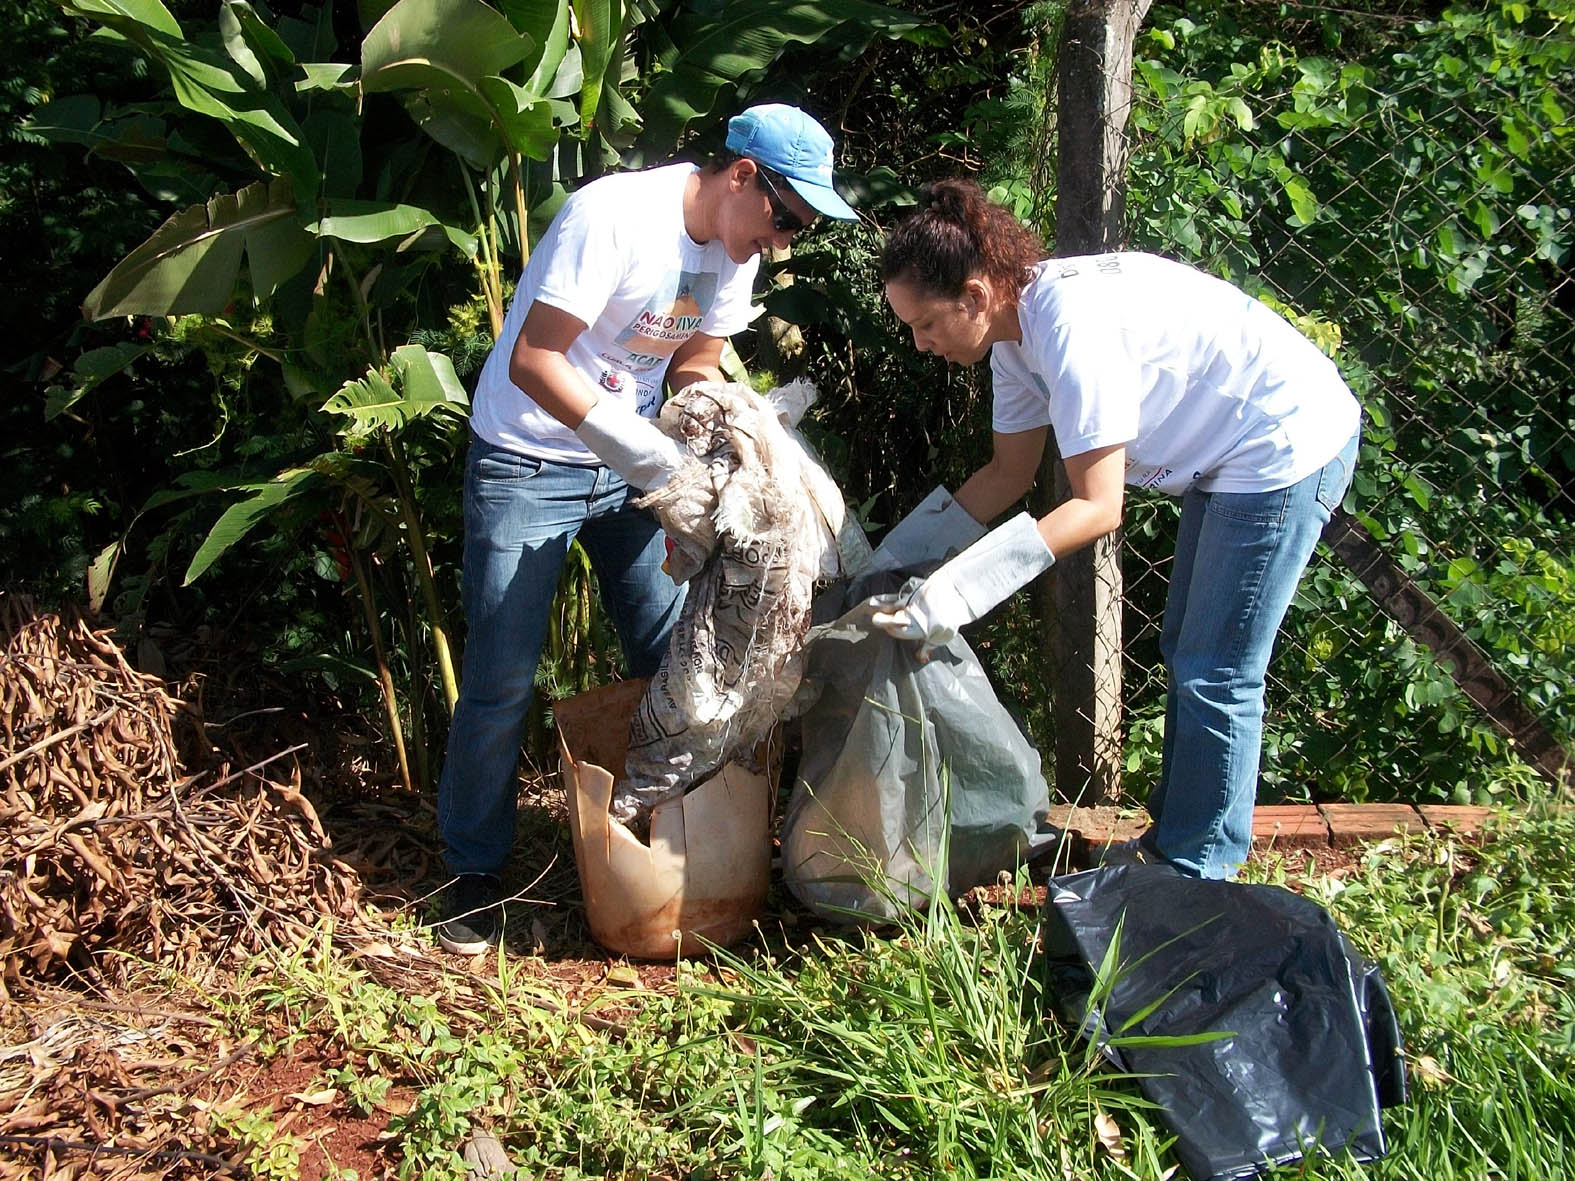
{"points": [[1403, 196]]}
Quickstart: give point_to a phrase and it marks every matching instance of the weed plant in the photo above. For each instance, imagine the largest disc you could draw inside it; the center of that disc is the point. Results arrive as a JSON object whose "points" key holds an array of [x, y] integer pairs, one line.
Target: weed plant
{"points": [[924, 1050], [1475, 945]]}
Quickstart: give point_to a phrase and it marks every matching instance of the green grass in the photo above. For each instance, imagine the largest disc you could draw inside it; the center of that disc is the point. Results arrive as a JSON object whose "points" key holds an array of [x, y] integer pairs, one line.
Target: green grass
{"points": [[926, 1053], [1476, 948]]}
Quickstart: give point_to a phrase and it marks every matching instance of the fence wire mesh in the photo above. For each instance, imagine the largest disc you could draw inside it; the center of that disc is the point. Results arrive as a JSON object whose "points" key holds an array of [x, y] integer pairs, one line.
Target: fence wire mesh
{"points": [[1404, 197]]}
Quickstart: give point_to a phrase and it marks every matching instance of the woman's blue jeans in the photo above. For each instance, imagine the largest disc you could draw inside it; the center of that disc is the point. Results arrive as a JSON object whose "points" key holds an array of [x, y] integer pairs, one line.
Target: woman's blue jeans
{"points": [[1239, 557], [520, 516]]}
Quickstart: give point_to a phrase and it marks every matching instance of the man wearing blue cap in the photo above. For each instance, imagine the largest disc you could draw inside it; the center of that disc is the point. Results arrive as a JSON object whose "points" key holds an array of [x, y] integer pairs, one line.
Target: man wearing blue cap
{"points": [[641, 277]]}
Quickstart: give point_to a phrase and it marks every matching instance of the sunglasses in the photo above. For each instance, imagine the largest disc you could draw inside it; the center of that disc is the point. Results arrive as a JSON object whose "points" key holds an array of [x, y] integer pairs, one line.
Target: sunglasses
{"points": [[782, 218]]}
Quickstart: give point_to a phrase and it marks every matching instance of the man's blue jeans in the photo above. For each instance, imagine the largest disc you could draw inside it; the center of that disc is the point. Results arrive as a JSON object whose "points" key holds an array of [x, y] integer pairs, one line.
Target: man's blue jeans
{"points": [[520, 516], [1239, 557]]}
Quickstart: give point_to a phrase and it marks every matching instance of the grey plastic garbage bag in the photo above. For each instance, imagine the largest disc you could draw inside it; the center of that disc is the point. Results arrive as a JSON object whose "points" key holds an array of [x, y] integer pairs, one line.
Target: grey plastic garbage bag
{"points": [[890, 746], [1313, 1050]]}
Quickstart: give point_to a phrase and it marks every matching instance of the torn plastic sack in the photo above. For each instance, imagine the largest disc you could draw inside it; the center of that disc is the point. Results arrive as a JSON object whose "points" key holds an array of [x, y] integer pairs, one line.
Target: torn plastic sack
{"points": [[913, 775], [701, 878], [1309, 1048], [755, 523]]}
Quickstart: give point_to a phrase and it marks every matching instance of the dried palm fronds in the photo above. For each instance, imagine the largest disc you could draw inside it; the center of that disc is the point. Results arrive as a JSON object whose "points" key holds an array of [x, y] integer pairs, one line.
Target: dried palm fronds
{"points": [[109, 844]]}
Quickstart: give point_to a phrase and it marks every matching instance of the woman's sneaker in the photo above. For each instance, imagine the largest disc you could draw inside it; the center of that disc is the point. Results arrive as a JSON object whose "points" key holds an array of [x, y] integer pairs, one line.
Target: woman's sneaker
{"points": [[473, 904]]}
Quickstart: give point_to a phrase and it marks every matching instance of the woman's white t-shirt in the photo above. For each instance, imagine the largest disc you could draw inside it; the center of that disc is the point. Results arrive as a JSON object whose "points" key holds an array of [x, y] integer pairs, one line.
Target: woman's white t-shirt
{"points": [[1205, 386], [617, 258]]}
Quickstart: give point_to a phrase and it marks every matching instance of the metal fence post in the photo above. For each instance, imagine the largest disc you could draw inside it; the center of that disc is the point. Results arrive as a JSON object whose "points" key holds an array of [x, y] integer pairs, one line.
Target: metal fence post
{"points": [[1081, 601]]}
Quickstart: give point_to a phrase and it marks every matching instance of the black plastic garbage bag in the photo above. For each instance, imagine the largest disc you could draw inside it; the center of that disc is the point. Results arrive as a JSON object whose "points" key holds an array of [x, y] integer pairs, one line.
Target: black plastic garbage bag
{"points": [[912, 771], [1313, 1047]]}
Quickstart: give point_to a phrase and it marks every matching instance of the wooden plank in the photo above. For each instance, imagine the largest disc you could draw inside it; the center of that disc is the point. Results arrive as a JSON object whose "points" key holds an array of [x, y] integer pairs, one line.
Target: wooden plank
{"points": [[1354, 824], [1289, 826]]}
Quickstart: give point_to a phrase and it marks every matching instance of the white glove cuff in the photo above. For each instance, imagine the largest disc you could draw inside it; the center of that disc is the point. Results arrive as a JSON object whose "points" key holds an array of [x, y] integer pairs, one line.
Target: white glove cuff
{"points": [[633, 446], [937, 529], [1003, 562]]}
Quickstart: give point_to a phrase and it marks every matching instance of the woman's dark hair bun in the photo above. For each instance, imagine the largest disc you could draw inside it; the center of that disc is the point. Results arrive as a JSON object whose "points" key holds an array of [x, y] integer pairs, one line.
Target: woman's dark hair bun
{"points": [[946, 198], [955, 233]]}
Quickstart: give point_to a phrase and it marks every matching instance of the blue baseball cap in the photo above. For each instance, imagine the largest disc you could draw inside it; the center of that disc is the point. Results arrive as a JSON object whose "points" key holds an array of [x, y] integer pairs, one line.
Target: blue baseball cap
{"points": [[788, 141]]}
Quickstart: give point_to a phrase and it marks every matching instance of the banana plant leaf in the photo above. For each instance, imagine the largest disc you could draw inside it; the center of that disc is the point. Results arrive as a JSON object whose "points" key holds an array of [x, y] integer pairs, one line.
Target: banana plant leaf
{"points": [[617, 122], [239, 519], [369, 221], [334, 132], [338, 76], [161, 162], [191, 263], [73, 119], [526, 120], [344, 473], [440, 44], [566, 83], [90, 369], [148, 13], [547, 21], [251, 44], [601, 31], [310, 35], [716, 52], [423, 383], [450, 55], [208, 84]]}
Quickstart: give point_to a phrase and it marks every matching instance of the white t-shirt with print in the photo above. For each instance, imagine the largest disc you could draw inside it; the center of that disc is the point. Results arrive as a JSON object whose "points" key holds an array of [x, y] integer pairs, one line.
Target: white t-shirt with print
{"points": [[1205, 386], [618, 259]]}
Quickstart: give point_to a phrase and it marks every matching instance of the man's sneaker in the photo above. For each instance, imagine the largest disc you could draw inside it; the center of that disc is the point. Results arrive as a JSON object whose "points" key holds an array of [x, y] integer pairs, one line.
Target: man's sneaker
{"points": [[474, 907]]}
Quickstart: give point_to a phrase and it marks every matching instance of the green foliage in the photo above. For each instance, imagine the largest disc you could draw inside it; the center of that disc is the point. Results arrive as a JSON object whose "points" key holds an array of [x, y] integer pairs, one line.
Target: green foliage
{"points": [[268, 1154], [340, 194], [1392, 186], [422, 383], [927, 1051], [62, 224], [448, 57], [712, 47], [1474, 943], [239, 519]]}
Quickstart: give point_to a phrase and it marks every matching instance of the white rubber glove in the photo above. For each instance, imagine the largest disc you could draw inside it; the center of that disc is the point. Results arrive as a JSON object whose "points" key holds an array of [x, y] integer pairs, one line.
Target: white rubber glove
{"points": [[967, 586], [632, 445], [936, 530]]}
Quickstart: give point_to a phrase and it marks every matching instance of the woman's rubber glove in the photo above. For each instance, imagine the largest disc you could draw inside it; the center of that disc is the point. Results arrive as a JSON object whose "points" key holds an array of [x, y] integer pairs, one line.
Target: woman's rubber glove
{"points": [[630, 444], [966, 587]]}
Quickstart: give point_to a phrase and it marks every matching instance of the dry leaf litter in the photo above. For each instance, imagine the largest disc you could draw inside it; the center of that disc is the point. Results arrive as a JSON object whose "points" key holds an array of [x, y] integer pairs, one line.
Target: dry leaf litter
{"points": [[114, 856]]}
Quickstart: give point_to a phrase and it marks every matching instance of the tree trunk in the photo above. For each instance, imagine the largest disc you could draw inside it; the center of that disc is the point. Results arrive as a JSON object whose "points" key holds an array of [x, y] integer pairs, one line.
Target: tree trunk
{"points": [[1082, 598], [779, 346]]}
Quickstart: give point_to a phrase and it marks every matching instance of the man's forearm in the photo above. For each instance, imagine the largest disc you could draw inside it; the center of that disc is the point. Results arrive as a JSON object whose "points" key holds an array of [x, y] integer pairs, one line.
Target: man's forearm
{"points": [[698, 359], [540, 366], [553, 384]]}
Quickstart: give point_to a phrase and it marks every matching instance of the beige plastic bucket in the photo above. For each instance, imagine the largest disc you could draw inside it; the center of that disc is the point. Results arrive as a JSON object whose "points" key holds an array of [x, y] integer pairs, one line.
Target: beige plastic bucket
{"points": [[705, 872]]}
